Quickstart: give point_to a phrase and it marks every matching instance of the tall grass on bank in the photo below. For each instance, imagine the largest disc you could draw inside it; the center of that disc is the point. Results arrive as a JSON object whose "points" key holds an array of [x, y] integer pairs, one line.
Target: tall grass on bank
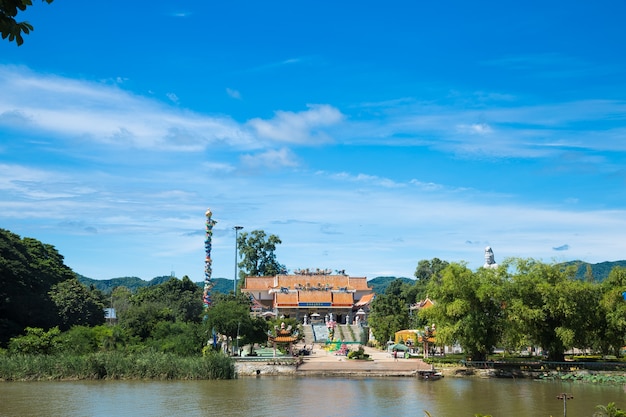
{"points": [[115, 365]]}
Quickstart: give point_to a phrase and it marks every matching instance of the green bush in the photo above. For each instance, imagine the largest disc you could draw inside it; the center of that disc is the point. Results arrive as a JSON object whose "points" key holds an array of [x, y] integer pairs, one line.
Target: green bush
{"points": [[79, 340], [358, 354], [36, 341], [587, 358], [179, 338], [447, 360], [116, 365]]}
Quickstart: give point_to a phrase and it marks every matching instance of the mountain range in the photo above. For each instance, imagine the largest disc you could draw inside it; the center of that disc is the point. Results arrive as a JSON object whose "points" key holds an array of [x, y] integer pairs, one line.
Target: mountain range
{"points": [[599, 272]]}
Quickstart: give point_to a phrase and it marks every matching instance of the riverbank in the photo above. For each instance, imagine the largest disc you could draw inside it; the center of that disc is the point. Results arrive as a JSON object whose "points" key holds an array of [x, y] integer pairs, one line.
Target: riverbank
{"points": [[115, 365], [572, 375], [320, 363]]}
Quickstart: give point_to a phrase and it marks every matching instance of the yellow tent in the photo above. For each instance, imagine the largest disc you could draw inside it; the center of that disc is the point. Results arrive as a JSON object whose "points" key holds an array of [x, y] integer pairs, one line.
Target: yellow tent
{"points": [[406, 335]]}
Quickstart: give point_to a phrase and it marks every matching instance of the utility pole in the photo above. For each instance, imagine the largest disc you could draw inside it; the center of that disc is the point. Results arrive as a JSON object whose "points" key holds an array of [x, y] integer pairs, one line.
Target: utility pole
{"points": [[237, 229]]}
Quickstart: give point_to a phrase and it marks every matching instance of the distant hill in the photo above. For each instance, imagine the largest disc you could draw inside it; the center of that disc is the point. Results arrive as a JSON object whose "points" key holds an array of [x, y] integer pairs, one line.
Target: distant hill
{"points": [[379, 284], [600, 271], [221, 285], [107, 285]]}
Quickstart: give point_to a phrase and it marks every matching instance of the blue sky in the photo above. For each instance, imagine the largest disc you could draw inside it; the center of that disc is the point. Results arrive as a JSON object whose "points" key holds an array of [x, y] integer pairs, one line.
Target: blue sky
{"points": [[367, 137]]}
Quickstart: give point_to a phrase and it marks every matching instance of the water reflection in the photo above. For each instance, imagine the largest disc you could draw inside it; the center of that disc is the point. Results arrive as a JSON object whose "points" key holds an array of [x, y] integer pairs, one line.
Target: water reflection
{"points": [[303, 397]]}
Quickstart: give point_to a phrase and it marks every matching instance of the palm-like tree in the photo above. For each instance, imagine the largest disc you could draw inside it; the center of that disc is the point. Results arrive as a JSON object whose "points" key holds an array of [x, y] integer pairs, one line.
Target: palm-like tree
{"points": [[609, 410]]}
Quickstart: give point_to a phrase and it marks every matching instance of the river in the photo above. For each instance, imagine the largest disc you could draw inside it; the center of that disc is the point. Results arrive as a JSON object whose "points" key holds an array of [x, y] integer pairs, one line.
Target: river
{"points": [[305, 397]]}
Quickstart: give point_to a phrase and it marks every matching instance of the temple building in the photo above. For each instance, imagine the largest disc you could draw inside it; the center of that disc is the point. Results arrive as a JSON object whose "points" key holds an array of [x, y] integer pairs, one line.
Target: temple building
{"points": [[311, 295]]}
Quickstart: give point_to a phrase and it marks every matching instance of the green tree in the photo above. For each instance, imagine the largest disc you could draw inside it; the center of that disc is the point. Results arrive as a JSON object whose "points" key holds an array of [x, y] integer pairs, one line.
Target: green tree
{"points": [[156, 308], [389, 312], [85, 339], [614, 310], [141, 319], [257, 333], [121, 299], [551, 307], [11, 28], [78, 340], [425, 272], [588, 321], [258, 254], [397, 288], [181, 296], [28, 270], [230, 316], [36, 341], [76, 304], [469, 308], [181, 338]]}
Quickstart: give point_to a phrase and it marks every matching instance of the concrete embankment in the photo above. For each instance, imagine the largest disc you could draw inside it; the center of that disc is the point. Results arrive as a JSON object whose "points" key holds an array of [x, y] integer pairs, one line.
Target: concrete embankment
{"points": [[327, 364], [341, 367], [267, 367], [322, 363]]}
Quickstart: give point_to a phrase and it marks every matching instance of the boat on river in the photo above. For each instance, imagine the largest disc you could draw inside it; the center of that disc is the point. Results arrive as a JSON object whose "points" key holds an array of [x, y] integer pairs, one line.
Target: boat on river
{"points": [[430, 375]]}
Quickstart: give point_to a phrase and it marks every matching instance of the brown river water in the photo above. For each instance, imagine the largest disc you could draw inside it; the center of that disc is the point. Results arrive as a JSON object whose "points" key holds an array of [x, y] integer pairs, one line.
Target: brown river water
{"points": [[305, 397]]}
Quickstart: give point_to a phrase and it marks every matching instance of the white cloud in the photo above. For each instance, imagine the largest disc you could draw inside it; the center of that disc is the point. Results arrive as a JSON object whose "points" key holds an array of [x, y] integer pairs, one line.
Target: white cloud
{"points": [[271, 159], [106, 114], [427, 186], [233, 93], [173, 98], [219, 167], [27, 182], [364, 179], [515, 129], [476, 129], [304, 127], [278, 64]]}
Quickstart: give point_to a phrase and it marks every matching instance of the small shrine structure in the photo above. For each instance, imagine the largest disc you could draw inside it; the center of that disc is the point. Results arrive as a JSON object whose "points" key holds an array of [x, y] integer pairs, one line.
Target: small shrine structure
{"points": [[284, 335]]}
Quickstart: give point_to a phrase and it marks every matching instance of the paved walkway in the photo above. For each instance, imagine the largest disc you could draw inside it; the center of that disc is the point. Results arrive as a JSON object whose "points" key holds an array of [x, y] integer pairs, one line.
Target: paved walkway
{"points": [[322, 362]]}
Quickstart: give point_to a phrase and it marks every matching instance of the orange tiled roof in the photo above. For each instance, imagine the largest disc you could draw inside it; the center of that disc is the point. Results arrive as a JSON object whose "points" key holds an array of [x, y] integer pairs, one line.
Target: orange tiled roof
{"points": [[304, 281], [286, 299], [283, 339], [366, 299], [343, 298], [323, 281], [422, 304], [258, 283], [359, 283], [315, 296]]}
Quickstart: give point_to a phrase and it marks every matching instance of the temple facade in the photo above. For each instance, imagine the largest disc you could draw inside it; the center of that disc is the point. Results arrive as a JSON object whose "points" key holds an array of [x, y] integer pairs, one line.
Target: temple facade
{"points": [[311, 296]]}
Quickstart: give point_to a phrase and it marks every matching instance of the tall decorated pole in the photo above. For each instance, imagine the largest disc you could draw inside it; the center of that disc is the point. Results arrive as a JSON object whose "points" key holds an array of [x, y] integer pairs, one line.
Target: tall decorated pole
{"points": [[208, 284]]}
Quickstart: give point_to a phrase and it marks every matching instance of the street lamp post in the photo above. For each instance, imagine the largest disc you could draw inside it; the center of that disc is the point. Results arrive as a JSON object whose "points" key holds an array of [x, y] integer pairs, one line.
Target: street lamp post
{"points": [[564, 396], [237, 229]]}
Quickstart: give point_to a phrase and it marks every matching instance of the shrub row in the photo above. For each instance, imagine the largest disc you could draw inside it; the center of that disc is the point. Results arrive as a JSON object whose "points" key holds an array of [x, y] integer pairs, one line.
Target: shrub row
{"points": [[115, 365]]}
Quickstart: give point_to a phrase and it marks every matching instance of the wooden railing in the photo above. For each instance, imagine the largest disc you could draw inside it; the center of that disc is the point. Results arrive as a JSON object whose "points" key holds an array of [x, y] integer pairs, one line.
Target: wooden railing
{"points": [[547, 366]]}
